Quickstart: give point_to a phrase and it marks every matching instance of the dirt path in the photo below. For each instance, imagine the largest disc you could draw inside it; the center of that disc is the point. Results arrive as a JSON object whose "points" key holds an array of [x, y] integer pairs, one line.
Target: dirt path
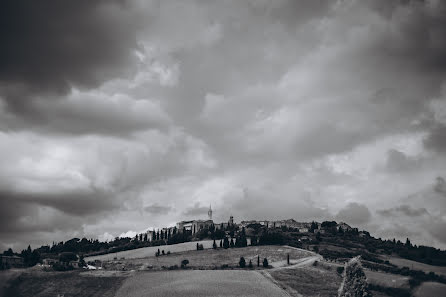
{"points": [[296, 263]]}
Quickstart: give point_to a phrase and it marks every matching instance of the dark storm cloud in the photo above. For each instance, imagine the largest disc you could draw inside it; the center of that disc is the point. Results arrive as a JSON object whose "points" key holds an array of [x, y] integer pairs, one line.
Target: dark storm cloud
{"points": [[298, 101], [156, 209], [196, 210], [355, 214], [404, 209], [397, 161], [50, 46], [436, 140], [79, 203], [440, 186]]}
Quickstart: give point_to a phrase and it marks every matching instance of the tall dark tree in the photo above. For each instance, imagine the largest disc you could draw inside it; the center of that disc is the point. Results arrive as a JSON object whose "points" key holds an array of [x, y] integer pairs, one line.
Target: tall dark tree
{"points": [[265, 263], [225, 243], [242, 262]]}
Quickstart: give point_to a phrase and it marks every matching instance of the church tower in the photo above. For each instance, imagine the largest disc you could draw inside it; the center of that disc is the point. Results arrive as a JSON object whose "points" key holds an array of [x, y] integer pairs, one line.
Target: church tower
{"points": [[210, 213]]}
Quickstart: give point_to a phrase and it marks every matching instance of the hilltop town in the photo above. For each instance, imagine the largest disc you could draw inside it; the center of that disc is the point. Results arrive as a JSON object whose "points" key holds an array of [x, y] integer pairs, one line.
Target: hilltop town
{"points": [[218, 230]]}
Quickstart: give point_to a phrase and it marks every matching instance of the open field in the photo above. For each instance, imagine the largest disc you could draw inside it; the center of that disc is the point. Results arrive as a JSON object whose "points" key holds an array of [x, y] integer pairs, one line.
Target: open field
{"points": [[6, 277], [309, 281], [38, 283], [213, 259], [440, 270], [387, 279], [150, 251], [430, 289], [199, 283]]}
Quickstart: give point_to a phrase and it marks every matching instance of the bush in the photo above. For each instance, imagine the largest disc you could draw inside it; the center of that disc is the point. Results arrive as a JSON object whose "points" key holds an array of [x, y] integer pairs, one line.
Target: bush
{"points": [[224, 266], [67, 257], [62, 267], [340, 269], [184, 263], [250, 264], [355, 281], [265, 263], [242, 262], [200, 247], [225, 243], [273, 238], [173, 267]]}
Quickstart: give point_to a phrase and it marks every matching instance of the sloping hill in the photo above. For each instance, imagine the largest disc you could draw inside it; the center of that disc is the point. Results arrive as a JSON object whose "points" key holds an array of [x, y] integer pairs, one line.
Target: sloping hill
{"points": [[150, 251]]}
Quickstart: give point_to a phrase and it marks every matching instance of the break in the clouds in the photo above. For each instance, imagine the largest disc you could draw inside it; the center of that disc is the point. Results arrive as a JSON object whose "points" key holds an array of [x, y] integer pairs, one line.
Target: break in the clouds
{"points": [[118, 116]]}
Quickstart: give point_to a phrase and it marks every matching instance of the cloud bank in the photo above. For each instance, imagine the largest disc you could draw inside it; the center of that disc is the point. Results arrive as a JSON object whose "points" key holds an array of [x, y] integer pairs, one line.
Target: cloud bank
{"points": [[118, 116]]}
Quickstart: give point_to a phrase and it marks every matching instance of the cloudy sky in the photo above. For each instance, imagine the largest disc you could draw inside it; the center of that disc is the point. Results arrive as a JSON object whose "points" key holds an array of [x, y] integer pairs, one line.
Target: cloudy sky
{"points": [[118, 116]]}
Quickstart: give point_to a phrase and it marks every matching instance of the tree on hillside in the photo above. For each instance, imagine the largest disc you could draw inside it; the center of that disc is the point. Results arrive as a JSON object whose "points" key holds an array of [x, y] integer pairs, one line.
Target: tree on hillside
{"points": [[66, 257], [265, 263], [354, 283], [9, 252], [226, 243], [242, 262], [313, 226]]}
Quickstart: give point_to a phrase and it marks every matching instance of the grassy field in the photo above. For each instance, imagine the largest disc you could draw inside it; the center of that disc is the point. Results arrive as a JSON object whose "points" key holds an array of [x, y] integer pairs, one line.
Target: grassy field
{"points": [[211, 259], [196, 283], [35, 283], [309, 281], [441, 270], [150, 251], [387, 279], [430, 289]]}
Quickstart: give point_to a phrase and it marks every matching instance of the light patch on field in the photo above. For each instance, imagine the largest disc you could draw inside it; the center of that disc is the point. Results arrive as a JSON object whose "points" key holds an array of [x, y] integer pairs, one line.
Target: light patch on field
{"points": [[430, 289]]}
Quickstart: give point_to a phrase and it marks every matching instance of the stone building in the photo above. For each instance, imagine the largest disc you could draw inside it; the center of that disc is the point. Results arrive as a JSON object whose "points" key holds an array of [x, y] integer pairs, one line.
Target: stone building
{"points": [[11, 261]]}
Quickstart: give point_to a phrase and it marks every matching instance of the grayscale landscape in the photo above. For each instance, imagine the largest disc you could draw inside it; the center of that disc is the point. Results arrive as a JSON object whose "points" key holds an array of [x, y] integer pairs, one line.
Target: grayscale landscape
{"points": [[222, 148]]}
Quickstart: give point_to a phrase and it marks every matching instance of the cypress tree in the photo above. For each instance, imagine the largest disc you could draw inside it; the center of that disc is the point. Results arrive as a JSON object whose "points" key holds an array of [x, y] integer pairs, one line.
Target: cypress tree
{"points": [[355, 281]]}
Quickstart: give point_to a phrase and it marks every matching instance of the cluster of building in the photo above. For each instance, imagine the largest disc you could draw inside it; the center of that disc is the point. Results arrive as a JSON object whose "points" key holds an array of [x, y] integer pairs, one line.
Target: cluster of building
{"points": [[194, 226], [289, 224], [11, 261]]}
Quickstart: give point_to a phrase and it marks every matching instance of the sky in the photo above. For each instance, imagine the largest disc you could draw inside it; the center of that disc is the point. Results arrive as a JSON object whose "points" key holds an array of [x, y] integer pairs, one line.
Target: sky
{"points": [[120, 116]]}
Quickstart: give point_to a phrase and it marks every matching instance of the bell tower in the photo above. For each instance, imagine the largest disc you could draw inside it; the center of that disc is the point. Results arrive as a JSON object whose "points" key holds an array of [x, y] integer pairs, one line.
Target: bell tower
{"points": [[210, 213]]}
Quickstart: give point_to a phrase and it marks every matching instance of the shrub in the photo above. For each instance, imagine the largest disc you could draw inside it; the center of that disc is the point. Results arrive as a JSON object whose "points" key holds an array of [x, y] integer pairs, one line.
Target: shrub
{"points": [[62, 267], [355, 281], [214, 245], [250, 264], [173, 267], [265, 263], [184, 263], [67, 257], [225, 243], [242, 262], [340, 269], [200, 247], [168, 252], [224, 266]]}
